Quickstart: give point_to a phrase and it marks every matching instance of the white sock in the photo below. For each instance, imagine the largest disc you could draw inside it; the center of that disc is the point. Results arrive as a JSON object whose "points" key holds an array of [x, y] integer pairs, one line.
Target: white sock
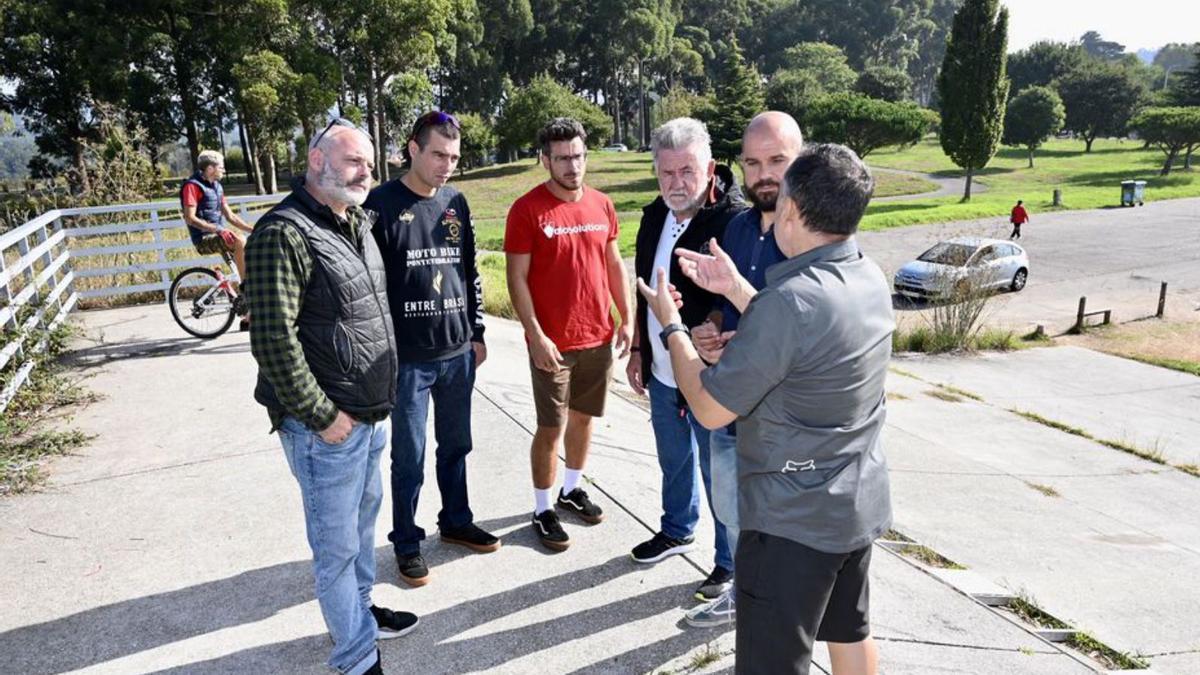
{"points": [[541, 500], [571, 480]]}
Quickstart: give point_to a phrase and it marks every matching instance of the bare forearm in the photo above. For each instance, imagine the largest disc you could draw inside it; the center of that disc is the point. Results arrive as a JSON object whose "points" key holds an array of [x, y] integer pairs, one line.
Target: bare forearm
{"points": [[741, 294], [198, 223], [618, 281], [522, 301]]}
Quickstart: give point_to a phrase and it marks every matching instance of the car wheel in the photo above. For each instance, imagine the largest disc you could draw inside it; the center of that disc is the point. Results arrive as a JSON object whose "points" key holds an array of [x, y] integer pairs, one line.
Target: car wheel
{"points": [[1019, 280]]}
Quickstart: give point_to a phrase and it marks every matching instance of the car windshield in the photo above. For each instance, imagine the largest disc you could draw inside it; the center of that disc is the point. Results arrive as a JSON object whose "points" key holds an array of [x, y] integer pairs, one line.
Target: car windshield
{"points": [[948, 254]]}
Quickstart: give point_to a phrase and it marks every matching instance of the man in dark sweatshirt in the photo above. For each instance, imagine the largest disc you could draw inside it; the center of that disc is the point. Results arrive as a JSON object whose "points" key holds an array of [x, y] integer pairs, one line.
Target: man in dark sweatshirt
{"points": [[425, 235]]}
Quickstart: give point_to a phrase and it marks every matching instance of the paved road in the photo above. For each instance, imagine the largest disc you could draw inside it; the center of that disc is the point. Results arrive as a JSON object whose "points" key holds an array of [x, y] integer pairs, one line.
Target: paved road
{"points": [[1116, 257]]}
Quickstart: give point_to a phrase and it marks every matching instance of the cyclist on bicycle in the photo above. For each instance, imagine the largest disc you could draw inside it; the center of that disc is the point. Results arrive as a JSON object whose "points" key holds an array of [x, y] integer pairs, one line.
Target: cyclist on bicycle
{"points": [[206, 212]]}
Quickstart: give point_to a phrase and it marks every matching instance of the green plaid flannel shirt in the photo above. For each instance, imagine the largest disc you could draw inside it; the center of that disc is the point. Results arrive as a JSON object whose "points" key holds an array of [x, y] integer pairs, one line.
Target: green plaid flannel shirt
{"points": [[278, 267]]}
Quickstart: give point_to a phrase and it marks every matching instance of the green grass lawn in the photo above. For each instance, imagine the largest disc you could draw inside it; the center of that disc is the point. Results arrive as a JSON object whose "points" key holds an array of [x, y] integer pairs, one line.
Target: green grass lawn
{"points": [[1087, 180], [627, 177]]}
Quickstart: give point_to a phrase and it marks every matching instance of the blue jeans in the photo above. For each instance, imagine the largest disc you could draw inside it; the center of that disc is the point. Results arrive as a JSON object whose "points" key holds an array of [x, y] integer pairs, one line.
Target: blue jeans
{"points": [[341, 489], [449, 383], [723, 464], [682, 454]]}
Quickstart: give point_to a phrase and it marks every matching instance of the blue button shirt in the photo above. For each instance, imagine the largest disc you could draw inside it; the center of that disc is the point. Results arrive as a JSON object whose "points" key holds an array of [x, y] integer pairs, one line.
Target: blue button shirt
{"points": [[753, 252]]}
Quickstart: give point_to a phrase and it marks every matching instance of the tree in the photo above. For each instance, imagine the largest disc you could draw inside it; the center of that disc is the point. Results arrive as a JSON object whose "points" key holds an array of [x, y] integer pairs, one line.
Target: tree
{"points": [[793, 91], [972, 86], [865, 124], [490, 42], [1186, 88], [530, 108], [269, 88], [739, 97], [884, 82], [824, 62], [1100, 98], [1042, 63], [810, 70], [478, 140], [1175, 58], [678, 102], [1099, 48], [870, 31], [1172, 130], [16, 149], [405, 99], [1033, 116], [50, 49], [930, 35]]}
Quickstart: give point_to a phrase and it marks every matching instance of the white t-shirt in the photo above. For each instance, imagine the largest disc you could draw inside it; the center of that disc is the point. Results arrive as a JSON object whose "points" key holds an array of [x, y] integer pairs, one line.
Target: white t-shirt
{"points": [[672, 230]]}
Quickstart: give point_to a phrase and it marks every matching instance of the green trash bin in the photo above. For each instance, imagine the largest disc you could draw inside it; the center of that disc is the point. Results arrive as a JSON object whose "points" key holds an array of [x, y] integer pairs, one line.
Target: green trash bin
{"points": [[1133, 192]]}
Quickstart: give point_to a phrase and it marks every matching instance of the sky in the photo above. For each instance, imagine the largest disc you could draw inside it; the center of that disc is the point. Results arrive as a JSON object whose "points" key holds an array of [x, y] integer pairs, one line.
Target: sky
{"points": [[1142, 24]]}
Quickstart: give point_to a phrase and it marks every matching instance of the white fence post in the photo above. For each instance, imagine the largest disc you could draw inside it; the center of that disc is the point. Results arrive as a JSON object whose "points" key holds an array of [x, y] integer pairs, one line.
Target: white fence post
{"points": [[163, 277]]}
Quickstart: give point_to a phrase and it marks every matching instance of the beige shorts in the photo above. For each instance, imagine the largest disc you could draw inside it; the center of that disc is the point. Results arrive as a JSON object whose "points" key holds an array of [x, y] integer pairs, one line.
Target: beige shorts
{"points": [[580, 384]]}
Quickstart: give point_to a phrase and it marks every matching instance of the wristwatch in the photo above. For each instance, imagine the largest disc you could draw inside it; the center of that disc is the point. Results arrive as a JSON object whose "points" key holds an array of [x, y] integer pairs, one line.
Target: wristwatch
{"points": [[671, 328]]}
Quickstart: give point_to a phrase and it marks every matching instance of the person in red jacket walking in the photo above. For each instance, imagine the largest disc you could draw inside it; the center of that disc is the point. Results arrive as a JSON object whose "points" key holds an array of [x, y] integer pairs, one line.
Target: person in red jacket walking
{"points": [[1019, 217]]}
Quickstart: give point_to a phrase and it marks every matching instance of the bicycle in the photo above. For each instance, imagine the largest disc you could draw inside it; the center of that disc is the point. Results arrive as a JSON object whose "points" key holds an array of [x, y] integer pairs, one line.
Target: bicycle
{"points": [[203, 300]]}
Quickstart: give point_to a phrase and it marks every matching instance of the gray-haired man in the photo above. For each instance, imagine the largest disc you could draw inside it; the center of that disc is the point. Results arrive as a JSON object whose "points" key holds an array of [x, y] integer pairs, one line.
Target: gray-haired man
{"points": [[697, 199], [804, 377]]}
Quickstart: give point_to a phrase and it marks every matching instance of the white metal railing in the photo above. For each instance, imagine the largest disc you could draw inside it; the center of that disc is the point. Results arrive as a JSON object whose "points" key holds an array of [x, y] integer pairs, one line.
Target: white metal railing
{"points": [[153, 222], [41, 261]]}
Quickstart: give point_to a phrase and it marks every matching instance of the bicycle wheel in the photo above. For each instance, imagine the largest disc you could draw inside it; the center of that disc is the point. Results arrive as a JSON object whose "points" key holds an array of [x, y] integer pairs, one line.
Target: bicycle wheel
{"points": [[200, 306]]}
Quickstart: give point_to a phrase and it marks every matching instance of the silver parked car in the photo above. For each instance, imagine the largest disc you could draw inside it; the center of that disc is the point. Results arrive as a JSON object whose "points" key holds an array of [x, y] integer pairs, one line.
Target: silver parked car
{"points": [[956, 263]]}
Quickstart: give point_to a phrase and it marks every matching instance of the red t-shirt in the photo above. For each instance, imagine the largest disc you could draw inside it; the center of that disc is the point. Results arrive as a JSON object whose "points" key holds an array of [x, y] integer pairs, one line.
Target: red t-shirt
{"points": [[568, 269], [1019, 215], [192, 195]]}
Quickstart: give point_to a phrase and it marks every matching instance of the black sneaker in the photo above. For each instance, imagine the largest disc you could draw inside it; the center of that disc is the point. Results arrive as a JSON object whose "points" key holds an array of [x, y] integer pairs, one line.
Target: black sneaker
{"points": [[661, 547], [413, 570], [715, 585], [393, 624], [550, 531], [471, 536], [576, 501]]}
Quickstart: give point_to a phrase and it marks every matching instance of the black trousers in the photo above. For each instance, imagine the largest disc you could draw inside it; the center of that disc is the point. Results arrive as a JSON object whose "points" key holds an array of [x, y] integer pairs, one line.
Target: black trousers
{"points": [[790, 595]]}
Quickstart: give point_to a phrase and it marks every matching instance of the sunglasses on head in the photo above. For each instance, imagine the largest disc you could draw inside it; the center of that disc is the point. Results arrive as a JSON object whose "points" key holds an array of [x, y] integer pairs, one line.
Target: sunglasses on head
{"points": [[335, 122], [433, 118]]}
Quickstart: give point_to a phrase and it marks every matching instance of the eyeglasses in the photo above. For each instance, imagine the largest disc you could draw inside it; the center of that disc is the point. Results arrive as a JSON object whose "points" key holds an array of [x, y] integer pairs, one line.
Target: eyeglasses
{"points": [[433, 118], [335, 122]]}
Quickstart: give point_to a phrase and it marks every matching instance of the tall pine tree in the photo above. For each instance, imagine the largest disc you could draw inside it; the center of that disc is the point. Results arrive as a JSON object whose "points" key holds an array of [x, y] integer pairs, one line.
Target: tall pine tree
{"points": [[739, 97], [972, 86]]}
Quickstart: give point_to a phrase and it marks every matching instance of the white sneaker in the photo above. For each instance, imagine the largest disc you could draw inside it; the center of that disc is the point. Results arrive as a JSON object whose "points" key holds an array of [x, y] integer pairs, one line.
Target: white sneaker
{"points": [[716, 613]]}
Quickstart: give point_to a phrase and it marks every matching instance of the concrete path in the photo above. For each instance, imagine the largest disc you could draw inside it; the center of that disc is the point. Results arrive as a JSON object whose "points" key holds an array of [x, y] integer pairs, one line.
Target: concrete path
{"points": [[1095, 536], [174, 542], [1154, 409], [947, 186]]}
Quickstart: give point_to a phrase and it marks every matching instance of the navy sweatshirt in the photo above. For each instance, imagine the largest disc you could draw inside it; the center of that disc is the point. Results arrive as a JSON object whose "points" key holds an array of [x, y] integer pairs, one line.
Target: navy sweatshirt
{"points": [[433, 286]]}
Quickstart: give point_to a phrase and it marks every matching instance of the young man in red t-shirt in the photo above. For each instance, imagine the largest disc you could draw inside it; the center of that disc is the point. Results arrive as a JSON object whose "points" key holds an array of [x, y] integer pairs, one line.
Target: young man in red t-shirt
{"points": [[564, 270]]}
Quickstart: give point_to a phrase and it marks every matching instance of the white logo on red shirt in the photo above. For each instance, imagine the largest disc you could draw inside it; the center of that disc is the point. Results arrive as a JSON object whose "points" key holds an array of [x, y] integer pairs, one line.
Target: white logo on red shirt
{"points": [[551, 231]]}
